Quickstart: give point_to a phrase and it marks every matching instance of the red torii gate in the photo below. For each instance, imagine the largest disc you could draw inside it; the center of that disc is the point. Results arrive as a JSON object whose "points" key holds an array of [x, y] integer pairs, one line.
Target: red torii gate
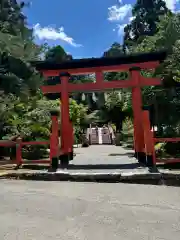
{"points": [[130, 63]]}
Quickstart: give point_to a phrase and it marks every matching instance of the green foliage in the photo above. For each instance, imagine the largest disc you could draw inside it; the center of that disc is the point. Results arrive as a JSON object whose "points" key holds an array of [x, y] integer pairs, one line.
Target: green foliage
{"points": [[77, 112], [164, 100], [57, 54], [116, 108], [12, 19], [127, 130], [166, 96], [115, 50], [167, 150], [167, 33], [17, 49], [30, 119], [145, 17], [17, 78], [168, 38]]}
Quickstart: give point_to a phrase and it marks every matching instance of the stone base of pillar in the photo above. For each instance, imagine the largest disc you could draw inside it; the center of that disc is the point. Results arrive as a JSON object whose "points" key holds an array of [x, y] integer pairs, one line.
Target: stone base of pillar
{"points": [[85, 141], [118, 139], [64, 160], [54, 163], [141, 157], [149, 160], [71, 155]]}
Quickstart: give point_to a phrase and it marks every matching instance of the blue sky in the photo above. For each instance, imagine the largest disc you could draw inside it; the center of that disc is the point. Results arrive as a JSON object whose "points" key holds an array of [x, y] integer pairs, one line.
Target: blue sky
{"points": [[85, 28]]}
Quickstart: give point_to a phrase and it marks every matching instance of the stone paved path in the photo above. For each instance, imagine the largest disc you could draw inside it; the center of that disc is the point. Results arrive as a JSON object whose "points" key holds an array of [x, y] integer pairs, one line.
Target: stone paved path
{"points": [[98, 159], [104, 158]]}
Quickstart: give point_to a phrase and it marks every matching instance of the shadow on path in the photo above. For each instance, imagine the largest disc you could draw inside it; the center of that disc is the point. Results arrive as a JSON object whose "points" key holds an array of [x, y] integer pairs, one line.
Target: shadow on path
{"points": [[121, 154], [87, 166], [104, 166]]}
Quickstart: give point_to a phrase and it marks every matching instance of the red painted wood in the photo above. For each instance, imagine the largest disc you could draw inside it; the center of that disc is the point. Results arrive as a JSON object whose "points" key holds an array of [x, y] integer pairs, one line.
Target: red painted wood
{"points": [[71, 137], [7, 144], [148, 136], [66, 138], [150, 81], [19, 151], [35, 143], [83, 87], [116, 68], [166, 139], [168, 160], [39, 161], [137, 113], [99, 78], [11, 144], [99, 86], [54, 138]]}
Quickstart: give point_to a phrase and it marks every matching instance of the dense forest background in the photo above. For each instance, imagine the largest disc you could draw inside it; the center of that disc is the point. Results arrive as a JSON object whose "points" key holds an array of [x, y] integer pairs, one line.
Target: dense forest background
{"points": [[24, 111]]}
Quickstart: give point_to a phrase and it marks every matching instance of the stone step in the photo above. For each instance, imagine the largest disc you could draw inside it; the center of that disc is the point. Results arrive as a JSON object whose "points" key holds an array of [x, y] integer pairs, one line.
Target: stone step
{"points": [[99, 136]]}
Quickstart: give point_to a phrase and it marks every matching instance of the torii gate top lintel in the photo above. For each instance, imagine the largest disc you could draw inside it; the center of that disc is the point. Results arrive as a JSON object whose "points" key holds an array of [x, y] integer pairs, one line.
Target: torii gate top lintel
{"points": [[91, 65], [131, 63]]}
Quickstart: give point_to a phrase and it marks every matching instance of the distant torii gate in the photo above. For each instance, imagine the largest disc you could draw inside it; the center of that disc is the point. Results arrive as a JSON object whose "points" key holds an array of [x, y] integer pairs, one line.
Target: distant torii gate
{"points": [[130, 63]]}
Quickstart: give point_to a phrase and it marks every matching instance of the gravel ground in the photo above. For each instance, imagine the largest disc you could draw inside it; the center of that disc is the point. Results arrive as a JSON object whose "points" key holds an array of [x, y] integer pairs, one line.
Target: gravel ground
{"points": [[68, 211]]}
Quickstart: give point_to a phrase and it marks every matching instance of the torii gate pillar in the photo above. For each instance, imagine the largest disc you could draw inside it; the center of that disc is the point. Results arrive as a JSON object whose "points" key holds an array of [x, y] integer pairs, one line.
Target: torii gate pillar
{"points": [[137, 114], [66, 125]]}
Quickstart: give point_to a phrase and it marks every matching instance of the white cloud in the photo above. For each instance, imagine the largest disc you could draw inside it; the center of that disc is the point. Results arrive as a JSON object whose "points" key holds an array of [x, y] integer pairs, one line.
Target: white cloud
{"points": [[131, 18], [118, 13], [120, 28], [171, 4], [50, 33]]}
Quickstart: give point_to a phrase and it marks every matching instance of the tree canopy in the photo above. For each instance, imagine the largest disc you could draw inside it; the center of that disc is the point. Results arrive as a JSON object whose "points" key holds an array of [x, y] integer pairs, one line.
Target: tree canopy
{"points": [[17, 49], [144, 21]]}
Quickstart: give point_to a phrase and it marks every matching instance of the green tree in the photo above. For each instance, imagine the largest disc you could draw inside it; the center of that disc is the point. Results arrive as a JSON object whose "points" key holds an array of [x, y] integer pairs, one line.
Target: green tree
{"points": [[164, 100], [12, 20], [57, 54], [166, 38], [115, 50], [145, 17], [17, 49], [19, 81], [118, 108]]}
